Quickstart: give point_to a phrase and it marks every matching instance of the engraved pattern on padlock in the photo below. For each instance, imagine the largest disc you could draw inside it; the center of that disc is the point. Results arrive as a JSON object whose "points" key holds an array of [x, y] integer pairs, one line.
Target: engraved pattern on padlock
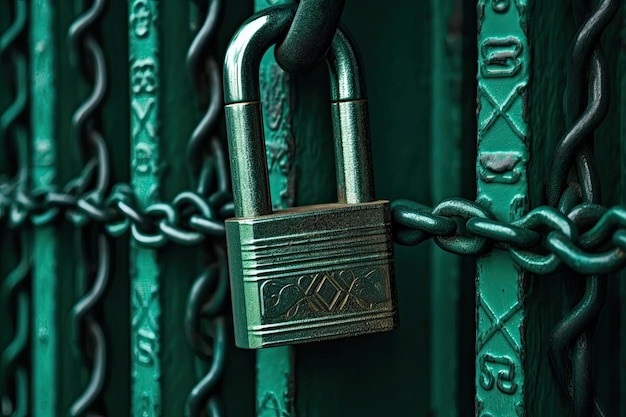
{"points": [[305, 273]]}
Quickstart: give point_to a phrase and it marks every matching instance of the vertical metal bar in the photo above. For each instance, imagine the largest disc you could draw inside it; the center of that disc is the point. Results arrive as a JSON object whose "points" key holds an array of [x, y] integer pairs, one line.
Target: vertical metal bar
{"points": [[144, 148], [503, 70], [275, 368], [45, 282], [446, 182]]}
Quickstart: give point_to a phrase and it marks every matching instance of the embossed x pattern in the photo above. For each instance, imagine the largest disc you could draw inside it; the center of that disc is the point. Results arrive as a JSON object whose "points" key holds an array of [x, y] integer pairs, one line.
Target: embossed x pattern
{"points": [[498, 324], [143, 118], [500, 110], [144, 297]]}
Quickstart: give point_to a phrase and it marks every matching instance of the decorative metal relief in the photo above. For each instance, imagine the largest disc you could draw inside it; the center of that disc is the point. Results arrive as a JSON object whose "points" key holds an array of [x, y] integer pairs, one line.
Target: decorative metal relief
{"points": [[279, 139], [145, 306], [502, 186]]}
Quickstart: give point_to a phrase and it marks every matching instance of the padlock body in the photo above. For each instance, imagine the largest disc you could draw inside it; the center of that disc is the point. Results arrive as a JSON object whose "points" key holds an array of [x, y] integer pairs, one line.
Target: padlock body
{"points": [[312, 273]]}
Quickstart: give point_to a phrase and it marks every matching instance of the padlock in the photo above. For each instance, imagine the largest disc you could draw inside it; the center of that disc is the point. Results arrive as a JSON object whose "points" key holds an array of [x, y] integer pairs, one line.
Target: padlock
{"points": [[305, 273]]}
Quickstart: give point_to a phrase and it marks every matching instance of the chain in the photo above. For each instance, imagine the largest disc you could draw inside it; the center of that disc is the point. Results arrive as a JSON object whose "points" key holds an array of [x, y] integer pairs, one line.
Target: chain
{"points": [[587, 237], [570, 341], [15, 293], [188, 220], [541, 242], [205, 326], [309, 37], [191, 218], [573, 232], [91, 243]]}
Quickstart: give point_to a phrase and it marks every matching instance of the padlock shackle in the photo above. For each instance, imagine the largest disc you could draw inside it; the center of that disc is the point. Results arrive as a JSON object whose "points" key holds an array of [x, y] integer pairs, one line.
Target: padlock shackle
{"points": [[246, 49], [350, 117], [264, 29], [244, 121]]}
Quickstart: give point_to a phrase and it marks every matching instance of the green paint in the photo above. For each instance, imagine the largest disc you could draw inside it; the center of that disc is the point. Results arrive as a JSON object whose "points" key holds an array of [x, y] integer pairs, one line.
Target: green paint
{"points": [[115, 117], [145, 304], [446, 182], [502, 186], [275, 366], [45, 279], [385, 374], [179, 115], [551, 33]]}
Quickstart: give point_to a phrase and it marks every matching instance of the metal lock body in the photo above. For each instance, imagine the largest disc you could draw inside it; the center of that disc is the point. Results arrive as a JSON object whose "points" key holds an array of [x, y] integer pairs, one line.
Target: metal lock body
{"points": [[306, 273]]}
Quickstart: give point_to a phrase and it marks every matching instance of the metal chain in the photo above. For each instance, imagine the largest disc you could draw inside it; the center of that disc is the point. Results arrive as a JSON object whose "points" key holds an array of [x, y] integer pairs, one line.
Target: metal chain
{"points": [[15, 293], [587, 238], [205, 326], [188, 220], [542, 242], [191, 217], [309, 37], [91, 242], [570, 341]]}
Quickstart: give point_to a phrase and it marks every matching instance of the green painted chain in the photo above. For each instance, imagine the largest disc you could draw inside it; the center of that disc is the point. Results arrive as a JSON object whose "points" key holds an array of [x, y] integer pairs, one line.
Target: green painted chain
{"points": [[207, 300], [541, 242], [187, 220]]}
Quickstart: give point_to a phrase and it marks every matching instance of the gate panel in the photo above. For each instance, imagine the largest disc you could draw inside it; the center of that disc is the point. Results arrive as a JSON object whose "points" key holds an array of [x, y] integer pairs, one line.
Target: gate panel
{"points": [[551, 298], [421, 67], [378, 369]]}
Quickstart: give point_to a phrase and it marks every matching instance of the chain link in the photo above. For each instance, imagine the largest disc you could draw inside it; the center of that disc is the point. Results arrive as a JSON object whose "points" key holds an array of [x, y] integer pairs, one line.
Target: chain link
{"points": [[543, 241], [92, 244], [187, 220], [14, 290], [309, 36], [587, 82], [205, 326]]}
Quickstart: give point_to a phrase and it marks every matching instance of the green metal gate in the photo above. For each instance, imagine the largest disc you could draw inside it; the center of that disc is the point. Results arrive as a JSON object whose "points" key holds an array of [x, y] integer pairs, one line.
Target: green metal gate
{"points": [[497, 129]]}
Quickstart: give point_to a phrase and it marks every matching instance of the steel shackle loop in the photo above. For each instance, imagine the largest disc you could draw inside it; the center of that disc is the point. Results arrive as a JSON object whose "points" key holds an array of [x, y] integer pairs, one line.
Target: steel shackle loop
{"points": [[244, 118], [310, 35]]}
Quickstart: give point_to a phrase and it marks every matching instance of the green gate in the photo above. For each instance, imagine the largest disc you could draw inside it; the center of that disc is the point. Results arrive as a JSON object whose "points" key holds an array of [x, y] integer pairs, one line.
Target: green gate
{"points": [[496, 132]]}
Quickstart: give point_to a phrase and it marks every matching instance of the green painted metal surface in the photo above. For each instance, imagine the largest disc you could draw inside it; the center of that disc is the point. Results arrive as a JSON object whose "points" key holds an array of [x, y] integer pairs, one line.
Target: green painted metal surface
{"points": [[143, 18], [446, 143], [503, 153], [178, 372], [549, 299], [46, 311]]}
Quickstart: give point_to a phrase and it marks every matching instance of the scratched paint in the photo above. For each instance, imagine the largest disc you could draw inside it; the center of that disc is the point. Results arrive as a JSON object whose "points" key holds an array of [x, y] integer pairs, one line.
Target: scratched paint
{"points": [[503, 58], [45, 278]]}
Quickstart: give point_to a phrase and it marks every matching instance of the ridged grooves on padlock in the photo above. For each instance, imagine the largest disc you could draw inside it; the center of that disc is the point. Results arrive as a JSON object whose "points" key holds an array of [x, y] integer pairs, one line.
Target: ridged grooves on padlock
{"points": [[312, 273], [271, 257]]}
